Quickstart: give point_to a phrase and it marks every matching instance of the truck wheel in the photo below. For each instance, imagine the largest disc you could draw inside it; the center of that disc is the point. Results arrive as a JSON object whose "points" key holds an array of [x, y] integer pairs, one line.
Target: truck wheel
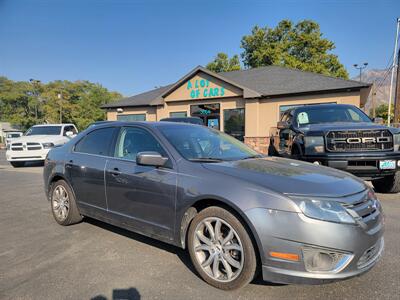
{"points": [[17, 164], [388, 184], [271, 151], [221, 249], [63, 205]]}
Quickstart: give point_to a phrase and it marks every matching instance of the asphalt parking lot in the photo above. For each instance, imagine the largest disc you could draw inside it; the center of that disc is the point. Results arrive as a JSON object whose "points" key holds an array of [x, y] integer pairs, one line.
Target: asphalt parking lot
{"points": [[92, 260]]}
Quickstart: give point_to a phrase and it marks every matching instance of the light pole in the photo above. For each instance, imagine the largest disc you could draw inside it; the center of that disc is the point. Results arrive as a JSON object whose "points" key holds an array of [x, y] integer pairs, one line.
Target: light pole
{"points": [[59, 96], [35, 83], [360, 67]]}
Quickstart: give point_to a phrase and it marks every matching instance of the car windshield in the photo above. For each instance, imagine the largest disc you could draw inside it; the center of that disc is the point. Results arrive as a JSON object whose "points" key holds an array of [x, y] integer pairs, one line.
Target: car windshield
{"points": [[44, 130], [340, 114], [203, 144]]}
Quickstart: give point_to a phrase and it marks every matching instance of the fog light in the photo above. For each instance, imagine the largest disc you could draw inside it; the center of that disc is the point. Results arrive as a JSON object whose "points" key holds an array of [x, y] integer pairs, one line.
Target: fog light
{"points": [[320, 260]]}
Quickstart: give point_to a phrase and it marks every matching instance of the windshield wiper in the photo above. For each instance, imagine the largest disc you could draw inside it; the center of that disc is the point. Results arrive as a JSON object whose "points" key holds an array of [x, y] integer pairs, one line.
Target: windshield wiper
{"points": [[206, 159]]}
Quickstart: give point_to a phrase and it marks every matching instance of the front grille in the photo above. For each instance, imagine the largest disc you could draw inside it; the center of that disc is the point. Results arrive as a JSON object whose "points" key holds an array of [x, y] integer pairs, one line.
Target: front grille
{"points": [[27, 146], [366, 210], [33, 146], [359, 140]]}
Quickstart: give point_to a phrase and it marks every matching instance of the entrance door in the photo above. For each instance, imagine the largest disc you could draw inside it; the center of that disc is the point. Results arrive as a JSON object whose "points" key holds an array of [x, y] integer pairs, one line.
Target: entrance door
{"points": [[209, 113]]}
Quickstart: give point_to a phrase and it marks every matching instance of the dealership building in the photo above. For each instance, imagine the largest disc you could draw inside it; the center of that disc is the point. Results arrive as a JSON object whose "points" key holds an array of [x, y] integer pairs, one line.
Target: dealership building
{"points": [[246, 104]]}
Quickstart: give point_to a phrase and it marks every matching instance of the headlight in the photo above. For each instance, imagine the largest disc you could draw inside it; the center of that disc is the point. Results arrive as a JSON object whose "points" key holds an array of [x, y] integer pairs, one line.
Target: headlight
{"points": [[325, 210], [396, 138], [314, 144], [47, 145]]}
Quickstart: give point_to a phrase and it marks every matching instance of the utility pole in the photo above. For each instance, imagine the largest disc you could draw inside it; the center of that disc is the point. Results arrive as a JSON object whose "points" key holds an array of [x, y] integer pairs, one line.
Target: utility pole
{"points": [[397, 95], [59, 96], [393, 67], [373, 94], [360, 68]]}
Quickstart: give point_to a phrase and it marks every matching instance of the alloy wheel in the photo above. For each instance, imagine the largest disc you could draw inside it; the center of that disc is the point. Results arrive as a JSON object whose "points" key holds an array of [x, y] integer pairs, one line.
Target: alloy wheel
{"points": [[218, 249], [60, 201]]}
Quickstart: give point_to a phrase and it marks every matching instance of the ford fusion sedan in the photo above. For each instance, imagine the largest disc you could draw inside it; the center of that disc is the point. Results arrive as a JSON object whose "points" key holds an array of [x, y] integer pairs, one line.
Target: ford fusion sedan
{"points": [[235, 211], [37, 142]]}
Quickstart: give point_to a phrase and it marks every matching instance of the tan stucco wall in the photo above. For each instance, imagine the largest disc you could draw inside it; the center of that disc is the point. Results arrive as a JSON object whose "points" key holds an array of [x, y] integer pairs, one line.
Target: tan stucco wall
{"points": [[149, 111], [184, 91], [266, 111]]}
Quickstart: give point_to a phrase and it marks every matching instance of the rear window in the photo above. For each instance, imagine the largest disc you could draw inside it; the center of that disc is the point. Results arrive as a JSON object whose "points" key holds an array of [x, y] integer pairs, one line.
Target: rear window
{"points": [[97, 142]]}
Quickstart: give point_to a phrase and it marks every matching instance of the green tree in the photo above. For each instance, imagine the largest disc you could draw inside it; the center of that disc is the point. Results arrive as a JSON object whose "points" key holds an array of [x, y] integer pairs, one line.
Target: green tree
{"points": [[26, 104], [222, 63], [300, 46], [382, 112]]}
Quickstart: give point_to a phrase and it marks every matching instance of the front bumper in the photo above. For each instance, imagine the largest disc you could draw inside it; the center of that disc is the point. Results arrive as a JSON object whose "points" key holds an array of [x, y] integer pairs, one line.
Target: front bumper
{"points": [[364, 165], [288, 232], [27, 155]]}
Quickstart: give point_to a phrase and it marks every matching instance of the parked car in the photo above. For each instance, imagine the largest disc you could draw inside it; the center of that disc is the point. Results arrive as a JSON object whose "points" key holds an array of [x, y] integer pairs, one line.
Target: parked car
{"points": [[12, 135], [37, 142], [234, 210], [342, 137], [190, 120]]}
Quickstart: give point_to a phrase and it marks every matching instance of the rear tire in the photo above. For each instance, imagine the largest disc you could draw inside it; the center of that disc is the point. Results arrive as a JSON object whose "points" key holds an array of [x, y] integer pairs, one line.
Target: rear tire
{"points": [[223, 255], [388, 184], [63, 205], [17, 164]]}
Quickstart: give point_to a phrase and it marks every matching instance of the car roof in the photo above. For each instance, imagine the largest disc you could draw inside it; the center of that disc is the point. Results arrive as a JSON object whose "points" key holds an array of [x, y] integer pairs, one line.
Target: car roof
{"points": [[63, 124], [150, 124], [316, 106]]}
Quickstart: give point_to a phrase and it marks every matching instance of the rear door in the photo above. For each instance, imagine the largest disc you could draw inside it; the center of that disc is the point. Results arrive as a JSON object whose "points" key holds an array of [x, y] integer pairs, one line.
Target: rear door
{"points": [[141, 196], [86, 164]]}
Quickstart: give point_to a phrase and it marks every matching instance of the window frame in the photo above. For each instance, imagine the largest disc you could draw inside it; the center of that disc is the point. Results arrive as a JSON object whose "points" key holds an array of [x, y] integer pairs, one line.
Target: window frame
{"points": [[109, 150], [170, 163]]}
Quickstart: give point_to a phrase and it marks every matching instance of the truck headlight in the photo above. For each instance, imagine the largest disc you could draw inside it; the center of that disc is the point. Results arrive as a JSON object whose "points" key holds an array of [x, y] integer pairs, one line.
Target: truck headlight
{"points": [[324, 210], [396, 139], [314, 144], [47, 145]]}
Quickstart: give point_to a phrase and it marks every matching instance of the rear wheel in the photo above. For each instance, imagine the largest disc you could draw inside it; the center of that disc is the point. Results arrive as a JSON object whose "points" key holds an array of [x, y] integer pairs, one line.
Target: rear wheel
{"points": [[17, 164], [63, 204], [388, 184], [221, 250]]}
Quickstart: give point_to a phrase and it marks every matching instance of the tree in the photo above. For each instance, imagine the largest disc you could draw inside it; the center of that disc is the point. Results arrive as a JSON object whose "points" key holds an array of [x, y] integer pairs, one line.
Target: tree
{"points": [[222, 63], [382, 112], [299, 46], [26, 104]]}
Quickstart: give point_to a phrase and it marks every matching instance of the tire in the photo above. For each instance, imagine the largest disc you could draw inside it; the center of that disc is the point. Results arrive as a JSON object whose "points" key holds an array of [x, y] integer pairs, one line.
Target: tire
{"points": [[234, 249], [67, 212], [388, 184], [17, 164], [271, 151]]}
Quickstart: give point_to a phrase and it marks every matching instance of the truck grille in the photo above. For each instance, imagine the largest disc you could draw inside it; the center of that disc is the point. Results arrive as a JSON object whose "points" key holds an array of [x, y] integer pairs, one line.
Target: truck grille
{"points": [[359, 140], [25, 146]]}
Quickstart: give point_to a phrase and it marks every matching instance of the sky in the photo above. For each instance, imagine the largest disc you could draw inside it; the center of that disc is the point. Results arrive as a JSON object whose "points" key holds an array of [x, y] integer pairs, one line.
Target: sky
{"points": [[131, 46]]}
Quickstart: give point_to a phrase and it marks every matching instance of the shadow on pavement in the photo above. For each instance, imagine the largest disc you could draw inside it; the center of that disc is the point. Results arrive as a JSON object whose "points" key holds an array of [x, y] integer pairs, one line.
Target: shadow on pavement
{"points": [[121, 294]]}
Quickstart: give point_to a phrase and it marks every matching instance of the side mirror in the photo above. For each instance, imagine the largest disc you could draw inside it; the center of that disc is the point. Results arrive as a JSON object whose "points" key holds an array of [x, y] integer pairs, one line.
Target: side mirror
{"points": [[282, 125], [149, 158], [69, 134], [377, 120]]}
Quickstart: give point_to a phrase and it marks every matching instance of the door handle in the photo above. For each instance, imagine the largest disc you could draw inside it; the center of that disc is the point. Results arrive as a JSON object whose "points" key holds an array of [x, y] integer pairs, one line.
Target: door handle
{"points": [[115, 172]]}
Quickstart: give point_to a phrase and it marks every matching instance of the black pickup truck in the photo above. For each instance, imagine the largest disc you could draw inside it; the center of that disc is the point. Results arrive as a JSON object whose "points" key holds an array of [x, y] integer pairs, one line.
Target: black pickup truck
{"points": [[342, 137]]}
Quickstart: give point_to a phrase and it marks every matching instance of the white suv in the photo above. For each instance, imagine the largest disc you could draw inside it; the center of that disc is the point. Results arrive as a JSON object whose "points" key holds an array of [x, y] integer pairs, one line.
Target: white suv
{"points": [[37, 142]]}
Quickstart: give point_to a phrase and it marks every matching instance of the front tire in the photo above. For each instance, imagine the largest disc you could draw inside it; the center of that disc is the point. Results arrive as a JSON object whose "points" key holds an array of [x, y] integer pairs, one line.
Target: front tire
{"points": [[63, 205], [221, 249], [17, 164], [388, 184]]}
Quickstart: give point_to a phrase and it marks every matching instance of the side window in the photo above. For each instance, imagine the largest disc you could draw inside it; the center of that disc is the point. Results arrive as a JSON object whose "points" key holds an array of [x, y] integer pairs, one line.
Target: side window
{"points": [[69, 128], [133, 140], [96, 142]]}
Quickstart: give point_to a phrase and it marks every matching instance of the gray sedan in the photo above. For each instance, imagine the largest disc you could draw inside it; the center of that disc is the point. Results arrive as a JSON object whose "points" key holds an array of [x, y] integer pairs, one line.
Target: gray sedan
{"points": [[235, 211]]}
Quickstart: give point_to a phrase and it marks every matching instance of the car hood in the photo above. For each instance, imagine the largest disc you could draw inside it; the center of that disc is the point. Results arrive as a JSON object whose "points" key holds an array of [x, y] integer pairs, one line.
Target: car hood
{"points": [[291, 177], [39, 139], [324, 128]]}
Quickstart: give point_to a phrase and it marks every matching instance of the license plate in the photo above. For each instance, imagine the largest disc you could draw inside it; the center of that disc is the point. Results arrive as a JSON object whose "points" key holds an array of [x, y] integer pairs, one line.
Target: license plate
{"points": [[387, 164]]}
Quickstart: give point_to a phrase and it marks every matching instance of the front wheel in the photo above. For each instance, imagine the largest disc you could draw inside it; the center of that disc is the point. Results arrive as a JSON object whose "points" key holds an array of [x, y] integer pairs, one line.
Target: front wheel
{"points": [[221, 249], [388, 184]]}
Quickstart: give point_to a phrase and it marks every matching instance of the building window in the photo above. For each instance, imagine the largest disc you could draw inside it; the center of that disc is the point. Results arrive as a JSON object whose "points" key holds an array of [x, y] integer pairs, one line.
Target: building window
{"points": [[209, 113], [178, 114], [283, 108], [132, 117], [234, 122]]}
